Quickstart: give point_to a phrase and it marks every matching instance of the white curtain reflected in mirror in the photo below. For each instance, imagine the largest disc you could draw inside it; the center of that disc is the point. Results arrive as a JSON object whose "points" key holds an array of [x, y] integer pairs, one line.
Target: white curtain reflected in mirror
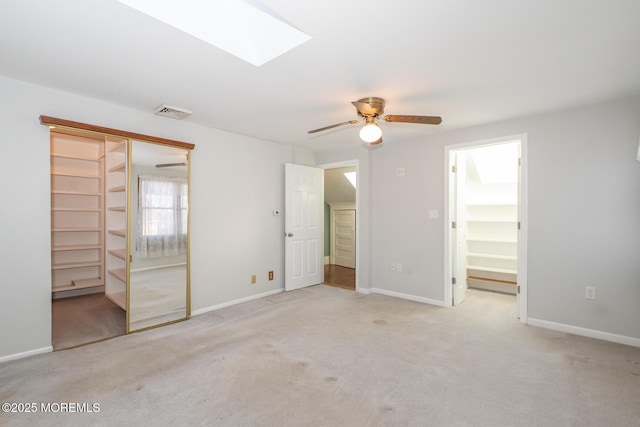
{"points": [[159, 235]]}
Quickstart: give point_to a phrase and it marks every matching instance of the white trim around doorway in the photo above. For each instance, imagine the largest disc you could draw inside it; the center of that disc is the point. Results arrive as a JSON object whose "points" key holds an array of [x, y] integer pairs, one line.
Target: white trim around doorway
{"points": [[522, 214], [343, 164]]}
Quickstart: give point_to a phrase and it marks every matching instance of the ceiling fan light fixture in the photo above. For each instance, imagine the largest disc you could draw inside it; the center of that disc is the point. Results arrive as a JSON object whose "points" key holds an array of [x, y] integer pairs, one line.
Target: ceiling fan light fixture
{"points": [[371, 132]]}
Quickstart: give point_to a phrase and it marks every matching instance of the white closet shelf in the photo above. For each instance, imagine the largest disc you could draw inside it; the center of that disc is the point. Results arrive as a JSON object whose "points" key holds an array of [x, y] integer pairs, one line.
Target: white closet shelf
{"points": [[119, 146], [120, 253], [74, 210], [493, 221], [486, 240], [495, 281], [118, 208], [80, 284], [74, 248], [121, 233], [491, 269], [119, 273], [76, 175], [75, 229], [506, 203], [490, 256], [71, 265], [76, 193], [119, 299], [87, 283], [120, 167], [118, 189], [76, 157]]}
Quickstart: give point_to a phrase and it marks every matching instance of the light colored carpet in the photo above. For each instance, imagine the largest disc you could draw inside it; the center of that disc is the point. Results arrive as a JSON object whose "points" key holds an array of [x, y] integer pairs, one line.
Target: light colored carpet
{"points": [[324, 356]]}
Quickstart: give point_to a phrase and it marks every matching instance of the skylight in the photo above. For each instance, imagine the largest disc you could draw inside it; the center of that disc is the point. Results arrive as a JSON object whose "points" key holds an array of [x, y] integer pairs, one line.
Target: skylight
{"points": [[351, 176], [497, 164], [244, 28]]}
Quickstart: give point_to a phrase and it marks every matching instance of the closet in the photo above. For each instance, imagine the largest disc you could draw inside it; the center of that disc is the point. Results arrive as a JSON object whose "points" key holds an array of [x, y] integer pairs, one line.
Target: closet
{"points": [[77, 213], [120, 220], [491, 211]]}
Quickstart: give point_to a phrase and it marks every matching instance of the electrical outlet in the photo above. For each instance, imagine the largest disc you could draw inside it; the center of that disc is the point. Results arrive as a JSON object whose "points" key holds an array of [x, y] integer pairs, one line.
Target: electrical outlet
{"points": [[400, 172], [590, 292], [253, 279], [393, 267], [271, 275]]}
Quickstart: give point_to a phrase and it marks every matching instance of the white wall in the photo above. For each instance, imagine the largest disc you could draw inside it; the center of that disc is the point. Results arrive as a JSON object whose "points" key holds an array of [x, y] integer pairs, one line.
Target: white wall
{"points": [[583, 216], [236, 184], [584, 211]]}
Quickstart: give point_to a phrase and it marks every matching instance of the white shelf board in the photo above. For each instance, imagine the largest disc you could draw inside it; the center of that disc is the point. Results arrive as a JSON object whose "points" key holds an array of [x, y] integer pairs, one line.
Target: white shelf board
{"points": [[119, 298], [75, 229], [75, 248], [76, 193], [71, 265], [491, 256], [75, 157], [491, 269], [119, 273], [120, 253], [76, 175]]}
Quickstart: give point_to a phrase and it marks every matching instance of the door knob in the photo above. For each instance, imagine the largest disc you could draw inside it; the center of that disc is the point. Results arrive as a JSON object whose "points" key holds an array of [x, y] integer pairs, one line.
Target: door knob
{"points": [[289, 234]]}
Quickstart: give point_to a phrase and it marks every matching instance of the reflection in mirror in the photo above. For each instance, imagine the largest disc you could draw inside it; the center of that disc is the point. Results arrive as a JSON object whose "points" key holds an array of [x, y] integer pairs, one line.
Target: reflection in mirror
{"points": [[158, 243]]}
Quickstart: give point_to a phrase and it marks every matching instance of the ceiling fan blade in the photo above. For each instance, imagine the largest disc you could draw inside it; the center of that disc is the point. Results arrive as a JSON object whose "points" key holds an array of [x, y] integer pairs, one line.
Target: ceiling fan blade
{"points": [[364, 108], [425, 120], [350, 122]]}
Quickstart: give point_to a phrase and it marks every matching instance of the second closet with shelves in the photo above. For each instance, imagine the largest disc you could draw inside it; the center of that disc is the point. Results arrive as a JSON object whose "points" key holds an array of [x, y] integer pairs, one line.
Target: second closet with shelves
{"points": [[77, 213], [116, 219], [120, 220]]}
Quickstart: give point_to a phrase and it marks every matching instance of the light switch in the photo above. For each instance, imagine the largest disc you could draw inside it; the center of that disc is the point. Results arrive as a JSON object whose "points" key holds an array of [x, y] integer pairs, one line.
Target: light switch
{"points": [[400, 172]]}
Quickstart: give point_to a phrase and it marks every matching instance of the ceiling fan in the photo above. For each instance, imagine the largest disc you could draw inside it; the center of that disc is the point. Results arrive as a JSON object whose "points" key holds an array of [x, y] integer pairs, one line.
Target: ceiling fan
{"points": [[371, 109]]}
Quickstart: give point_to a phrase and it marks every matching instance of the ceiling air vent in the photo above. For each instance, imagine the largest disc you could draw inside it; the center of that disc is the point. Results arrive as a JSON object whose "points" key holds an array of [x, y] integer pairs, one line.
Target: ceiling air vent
{"points": [[173, 112]]}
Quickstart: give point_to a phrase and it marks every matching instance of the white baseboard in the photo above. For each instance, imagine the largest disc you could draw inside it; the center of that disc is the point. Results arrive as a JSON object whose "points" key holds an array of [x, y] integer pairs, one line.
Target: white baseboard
{"points": [[234, 302], [327, 260], [408, 297], [24, 354], [591, 333], [365, 291]]}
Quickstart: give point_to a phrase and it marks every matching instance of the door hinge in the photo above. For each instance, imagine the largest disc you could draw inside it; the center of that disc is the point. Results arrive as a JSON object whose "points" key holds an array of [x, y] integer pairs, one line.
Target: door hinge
{"points": [[519, 162], [518, 289], [454, 169], [453, 224], [453, 280], [518, 225]]}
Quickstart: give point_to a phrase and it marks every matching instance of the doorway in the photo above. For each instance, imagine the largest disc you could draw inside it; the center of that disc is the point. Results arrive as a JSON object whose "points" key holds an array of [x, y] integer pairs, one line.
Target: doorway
{"points": [[340, 224], [486, 230], [81, 313]]}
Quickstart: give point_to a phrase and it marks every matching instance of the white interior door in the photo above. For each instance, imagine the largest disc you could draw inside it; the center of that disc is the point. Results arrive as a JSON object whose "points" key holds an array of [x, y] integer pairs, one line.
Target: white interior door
{"points": [[459, 230], [304, 208], [344, 238]]}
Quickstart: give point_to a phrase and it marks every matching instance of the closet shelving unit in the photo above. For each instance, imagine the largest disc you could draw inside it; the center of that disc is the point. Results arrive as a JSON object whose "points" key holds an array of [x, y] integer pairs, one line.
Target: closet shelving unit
{"points": [[91, 218], [492, 246], [116, 219], [77, 221]]}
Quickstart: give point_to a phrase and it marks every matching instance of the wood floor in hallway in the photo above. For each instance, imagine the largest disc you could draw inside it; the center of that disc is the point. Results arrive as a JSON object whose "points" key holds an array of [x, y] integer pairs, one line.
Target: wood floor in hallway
{"points": [[341, 277]]}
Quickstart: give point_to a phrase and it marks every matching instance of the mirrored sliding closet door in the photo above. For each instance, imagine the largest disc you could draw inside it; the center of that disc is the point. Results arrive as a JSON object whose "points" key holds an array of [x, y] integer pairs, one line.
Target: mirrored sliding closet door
{"points": [[158, 288]]}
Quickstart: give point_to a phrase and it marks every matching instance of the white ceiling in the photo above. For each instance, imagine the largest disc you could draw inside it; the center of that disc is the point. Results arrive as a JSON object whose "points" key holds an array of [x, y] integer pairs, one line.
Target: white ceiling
{"points": [[468, 61]]}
